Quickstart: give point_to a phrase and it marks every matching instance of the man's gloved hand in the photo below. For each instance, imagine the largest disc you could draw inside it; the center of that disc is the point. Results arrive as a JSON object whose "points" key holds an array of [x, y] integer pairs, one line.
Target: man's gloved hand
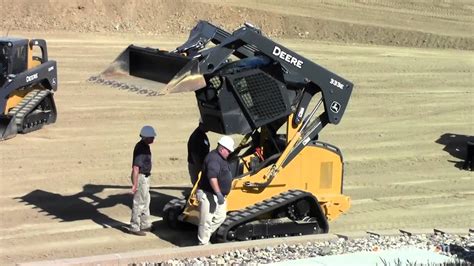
{"points": [[220, 198]]}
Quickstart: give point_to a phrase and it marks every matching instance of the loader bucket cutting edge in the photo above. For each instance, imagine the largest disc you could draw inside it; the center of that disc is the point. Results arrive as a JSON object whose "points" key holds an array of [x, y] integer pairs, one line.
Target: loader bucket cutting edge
{"points": [[8, 128], [186, 80], [144, 70]]}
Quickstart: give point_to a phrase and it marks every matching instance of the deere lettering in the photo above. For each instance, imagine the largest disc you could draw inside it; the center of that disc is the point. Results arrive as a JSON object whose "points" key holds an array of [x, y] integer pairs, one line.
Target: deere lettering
{"points": [[32, 77], [287, 57]]}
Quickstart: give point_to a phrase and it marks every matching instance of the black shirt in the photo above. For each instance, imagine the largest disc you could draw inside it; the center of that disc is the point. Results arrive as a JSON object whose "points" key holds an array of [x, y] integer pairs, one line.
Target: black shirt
{"points": [[215, 166], [142, 157], [198, 147]]}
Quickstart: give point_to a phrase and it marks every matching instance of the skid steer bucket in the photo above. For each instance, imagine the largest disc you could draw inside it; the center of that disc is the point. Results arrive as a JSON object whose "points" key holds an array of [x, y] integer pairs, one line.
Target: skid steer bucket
{"points": [[8, 128], [186, 80], [145, 71]]}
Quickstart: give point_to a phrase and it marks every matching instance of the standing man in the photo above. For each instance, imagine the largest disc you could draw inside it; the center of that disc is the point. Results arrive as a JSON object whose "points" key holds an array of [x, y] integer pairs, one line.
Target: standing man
{"points": [[198, 148], [141, 171], [214, 185]]}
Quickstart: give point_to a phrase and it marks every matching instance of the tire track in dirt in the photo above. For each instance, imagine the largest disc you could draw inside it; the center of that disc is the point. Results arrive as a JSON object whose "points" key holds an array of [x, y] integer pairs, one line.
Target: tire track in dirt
{"points": [[429, 10], [120, 17]]}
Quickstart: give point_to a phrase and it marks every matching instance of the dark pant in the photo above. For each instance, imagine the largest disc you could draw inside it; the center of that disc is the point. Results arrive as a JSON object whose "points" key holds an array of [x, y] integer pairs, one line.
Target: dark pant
{"points": [[469, 163], [193, 172]]}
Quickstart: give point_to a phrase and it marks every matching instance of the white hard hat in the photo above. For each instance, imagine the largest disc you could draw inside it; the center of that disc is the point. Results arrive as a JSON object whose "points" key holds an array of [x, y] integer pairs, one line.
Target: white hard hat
{"points": [[147, 132], [227, 142]]}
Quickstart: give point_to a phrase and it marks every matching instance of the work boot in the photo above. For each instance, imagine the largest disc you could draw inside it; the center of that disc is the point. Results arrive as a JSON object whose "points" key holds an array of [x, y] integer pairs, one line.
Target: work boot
{"points": [[132, 231], [137, 233]]}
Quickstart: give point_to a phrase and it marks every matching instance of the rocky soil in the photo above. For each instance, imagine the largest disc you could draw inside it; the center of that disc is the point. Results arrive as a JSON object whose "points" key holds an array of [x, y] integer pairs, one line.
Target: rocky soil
{"points": [[459, 248], [334, 21]]}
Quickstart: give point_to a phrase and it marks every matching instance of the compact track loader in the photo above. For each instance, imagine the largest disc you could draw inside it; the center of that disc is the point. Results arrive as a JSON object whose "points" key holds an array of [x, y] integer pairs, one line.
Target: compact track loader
{"points": [[286, 181], [27, 85]]}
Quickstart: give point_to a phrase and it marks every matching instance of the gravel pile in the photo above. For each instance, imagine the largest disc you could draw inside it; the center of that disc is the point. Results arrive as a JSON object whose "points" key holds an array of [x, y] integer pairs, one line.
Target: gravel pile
{"points": [[456, 246]]}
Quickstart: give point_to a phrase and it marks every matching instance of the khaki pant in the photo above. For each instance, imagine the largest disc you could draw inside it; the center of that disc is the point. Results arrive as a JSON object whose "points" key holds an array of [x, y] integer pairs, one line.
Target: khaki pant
{"points": [[141, 205], [209, 222]]}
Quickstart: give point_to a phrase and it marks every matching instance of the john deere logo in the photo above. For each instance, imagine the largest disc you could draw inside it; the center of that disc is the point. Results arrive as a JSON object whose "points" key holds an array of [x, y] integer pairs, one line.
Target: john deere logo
{"points": [[287, 57], [335, 107], [32, 77]]}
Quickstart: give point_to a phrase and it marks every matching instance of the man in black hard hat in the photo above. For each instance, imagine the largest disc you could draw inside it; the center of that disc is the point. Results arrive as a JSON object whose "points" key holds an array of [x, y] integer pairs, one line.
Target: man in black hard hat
{"points": [[198, 148]]}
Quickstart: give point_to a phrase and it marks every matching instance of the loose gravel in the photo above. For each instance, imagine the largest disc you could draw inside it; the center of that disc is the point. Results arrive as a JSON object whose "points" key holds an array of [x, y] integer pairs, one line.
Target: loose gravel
{"points": [[459, 247]]}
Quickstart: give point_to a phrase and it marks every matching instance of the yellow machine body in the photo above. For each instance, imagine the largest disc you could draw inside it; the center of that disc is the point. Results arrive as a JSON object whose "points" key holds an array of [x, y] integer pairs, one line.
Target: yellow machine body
{"points": [[317, 169]]}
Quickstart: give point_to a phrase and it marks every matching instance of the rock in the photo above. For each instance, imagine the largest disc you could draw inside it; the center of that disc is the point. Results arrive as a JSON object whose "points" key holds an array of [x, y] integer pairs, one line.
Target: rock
{"points": [[325, 251]]}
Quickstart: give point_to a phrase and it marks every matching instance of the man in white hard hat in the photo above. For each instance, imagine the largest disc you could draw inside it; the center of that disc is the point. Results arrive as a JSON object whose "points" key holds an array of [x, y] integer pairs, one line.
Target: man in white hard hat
{"points": [[141, 172], [214, 185]]}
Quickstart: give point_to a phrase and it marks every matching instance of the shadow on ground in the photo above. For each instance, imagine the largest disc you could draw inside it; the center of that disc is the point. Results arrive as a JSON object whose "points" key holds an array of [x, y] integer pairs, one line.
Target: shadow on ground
{"points": [[456, 146], [86, 205], [183, 237]]}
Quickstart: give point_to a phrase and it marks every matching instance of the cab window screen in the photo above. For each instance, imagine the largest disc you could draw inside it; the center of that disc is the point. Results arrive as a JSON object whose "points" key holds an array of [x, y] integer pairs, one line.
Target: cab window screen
{"points": [[19, 59], [3, 64], [262, 96]]}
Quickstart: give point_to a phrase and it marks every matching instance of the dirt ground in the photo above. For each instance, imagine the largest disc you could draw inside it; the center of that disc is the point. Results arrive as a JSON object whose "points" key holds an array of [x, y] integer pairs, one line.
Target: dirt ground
{"points": [[64, 189]]}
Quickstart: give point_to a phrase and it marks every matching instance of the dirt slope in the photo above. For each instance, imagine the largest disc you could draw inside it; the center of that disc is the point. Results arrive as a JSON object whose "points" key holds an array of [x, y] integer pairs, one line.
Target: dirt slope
{"points": [[402, 23], [64, 189]]}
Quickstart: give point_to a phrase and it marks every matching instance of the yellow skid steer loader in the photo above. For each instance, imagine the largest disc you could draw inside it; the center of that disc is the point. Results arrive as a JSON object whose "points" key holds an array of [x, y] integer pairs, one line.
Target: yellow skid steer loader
{"points": [[27, 86], [286, 180]]}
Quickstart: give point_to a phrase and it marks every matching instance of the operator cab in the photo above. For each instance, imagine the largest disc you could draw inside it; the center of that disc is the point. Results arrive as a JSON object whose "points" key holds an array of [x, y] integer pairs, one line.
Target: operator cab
{"points": [[14, 56], [258, 150], [243, 96], [248, 97]]}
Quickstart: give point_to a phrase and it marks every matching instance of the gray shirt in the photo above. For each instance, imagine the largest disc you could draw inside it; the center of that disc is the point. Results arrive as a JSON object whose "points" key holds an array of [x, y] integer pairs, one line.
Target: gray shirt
{"points": [[216, 167]]}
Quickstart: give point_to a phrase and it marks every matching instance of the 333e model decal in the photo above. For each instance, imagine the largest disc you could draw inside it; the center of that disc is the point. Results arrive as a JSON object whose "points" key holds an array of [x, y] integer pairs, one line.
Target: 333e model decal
{"points": [[337, 83]]}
